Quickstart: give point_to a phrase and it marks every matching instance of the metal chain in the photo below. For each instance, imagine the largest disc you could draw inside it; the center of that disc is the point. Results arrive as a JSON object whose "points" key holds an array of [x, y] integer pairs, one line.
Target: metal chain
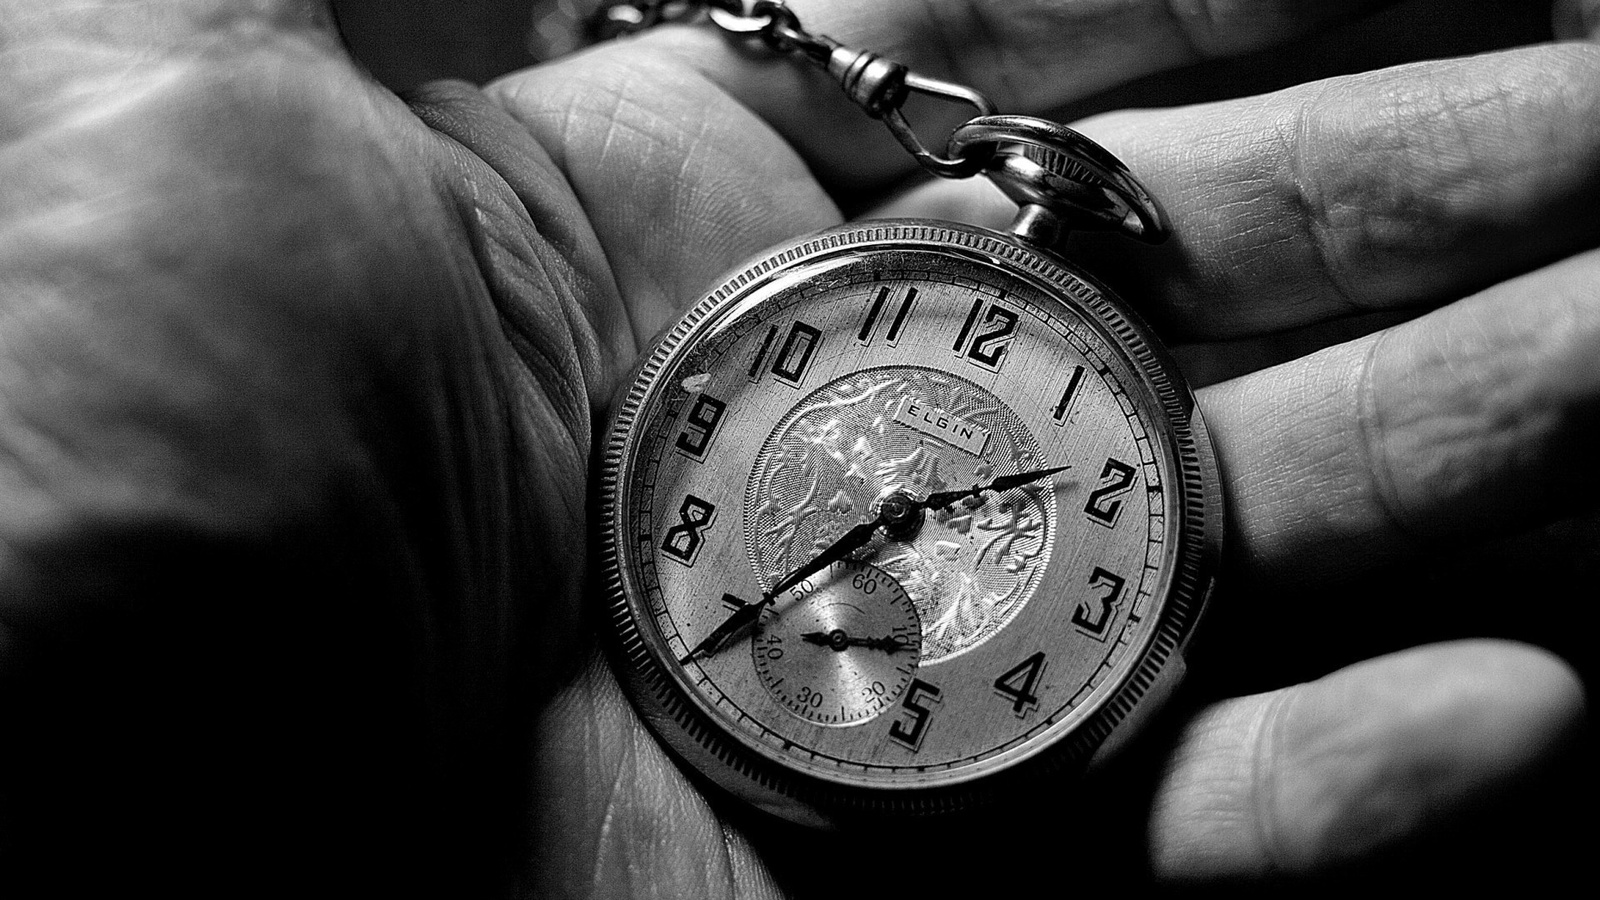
{"points": [[1059, 179], [878, 85]]}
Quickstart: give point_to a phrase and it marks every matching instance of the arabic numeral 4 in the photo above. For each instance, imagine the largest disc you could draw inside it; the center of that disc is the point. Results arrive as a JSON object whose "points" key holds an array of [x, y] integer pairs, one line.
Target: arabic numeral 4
{"points": [[1019, 684]]}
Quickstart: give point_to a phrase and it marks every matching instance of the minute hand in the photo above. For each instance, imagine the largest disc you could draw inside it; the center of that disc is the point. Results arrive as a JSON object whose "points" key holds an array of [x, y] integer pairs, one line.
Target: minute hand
{"points": [[847, 543], [746, 615], [1003, 483]]}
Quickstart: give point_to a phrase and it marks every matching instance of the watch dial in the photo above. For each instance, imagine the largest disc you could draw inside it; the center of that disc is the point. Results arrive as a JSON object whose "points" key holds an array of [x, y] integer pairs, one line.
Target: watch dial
{"points": [[972, 637]]}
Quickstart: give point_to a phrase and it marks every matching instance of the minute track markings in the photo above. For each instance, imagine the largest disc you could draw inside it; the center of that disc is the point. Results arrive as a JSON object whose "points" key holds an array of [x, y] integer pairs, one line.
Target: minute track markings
{"points": [[915, 330]]}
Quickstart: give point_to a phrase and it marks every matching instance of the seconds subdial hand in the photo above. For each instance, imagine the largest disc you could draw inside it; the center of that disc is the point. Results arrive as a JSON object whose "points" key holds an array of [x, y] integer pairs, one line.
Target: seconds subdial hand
{"points": [[838, 641], [899, 515]]}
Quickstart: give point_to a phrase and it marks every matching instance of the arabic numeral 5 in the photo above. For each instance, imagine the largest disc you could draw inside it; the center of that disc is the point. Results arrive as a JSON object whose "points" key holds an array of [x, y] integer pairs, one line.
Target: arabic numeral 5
{"points": [[909, 730]]}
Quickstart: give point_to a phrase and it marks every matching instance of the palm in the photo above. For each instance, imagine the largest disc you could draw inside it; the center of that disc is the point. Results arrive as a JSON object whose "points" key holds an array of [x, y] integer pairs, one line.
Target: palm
{"points": [[471, 279]]}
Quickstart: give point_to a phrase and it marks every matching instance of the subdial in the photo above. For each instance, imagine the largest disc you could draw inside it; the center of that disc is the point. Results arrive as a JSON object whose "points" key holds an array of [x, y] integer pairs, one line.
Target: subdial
{"points": [[844, 651]]}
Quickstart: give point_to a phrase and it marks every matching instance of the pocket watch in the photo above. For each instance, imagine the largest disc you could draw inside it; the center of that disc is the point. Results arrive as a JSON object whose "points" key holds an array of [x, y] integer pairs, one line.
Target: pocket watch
{"points": [[909, 517]]}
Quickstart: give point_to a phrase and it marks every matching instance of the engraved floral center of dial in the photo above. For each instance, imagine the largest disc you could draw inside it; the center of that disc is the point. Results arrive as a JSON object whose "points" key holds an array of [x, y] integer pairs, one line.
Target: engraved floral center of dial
{"points": [[835, 457]]}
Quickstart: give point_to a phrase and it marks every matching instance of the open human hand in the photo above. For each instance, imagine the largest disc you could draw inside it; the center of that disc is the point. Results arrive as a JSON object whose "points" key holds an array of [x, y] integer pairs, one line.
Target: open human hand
{"points": [[299, 384]]}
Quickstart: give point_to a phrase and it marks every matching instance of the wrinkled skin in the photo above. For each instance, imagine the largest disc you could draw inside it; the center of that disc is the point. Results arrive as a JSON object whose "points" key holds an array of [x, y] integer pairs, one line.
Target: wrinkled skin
{"points": [[299, 383]]}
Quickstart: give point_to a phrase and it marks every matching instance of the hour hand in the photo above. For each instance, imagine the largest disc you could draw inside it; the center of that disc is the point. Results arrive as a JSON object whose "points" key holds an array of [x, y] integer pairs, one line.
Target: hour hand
{"points": [[900, 516], [942, 499]]}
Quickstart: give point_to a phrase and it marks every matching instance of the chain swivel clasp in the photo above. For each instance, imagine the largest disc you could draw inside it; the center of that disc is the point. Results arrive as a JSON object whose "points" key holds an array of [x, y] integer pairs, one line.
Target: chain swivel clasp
{"points": [[1060, 179], [881, 87], [878, 85]]}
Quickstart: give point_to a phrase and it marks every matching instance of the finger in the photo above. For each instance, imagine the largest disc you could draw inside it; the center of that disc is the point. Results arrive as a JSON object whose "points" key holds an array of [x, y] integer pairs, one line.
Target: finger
{"points": [[1026, 57], [1576, 20], [736, 186], [1364, 762], [1477, 419], [1375, 192], [672, 103], [546, 271], [614, 817], [1295, 782], [678, 180]]}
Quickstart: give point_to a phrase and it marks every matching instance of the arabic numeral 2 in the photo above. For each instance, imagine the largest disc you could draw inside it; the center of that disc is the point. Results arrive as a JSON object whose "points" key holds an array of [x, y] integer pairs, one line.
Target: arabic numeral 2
{"points": [[1105, 501]]}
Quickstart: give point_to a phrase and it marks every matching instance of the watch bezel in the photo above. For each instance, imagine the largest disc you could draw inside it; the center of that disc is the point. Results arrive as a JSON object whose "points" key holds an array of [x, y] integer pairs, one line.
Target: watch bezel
{"points": [[693, 733]]}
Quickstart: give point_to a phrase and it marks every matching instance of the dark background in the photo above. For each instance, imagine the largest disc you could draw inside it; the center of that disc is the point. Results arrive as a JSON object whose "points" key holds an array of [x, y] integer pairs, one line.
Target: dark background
{"points": [[406, 42]]}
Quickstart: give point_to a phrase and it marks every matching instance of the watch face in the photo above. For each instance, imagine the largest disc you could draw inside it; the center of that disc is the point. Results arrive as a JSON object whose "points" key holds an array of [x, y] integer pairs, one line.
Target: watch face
{"points": [[874, 389]]}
